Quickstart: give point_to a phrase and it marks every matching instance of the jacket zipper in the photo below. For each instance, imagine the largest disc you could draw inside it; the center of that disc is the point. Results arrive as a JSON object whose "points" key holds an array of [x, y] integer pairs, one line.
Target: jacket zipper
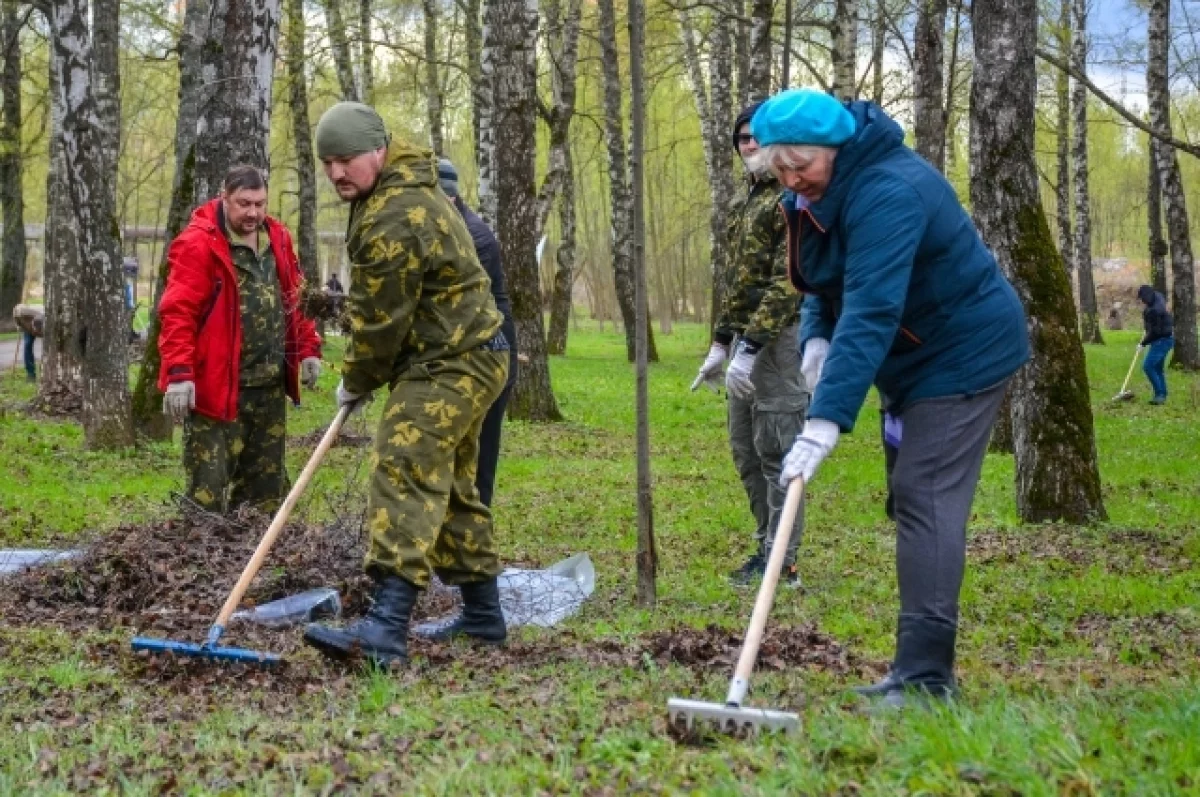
{"points": [[212, 302]]}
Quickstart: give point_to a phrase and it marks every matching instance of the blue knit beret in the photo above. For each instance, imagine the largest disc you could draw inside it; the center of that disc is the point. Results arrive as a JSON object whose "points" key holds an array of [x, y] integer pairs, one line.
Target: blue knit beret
{"points": [[802, 116]]}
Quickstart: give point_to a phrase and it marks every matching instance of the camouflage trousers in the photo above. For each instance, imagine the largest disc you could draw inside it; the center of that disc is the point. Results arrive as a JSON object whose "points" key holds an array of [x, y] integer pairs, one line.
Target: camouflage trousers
{"points": [[761, 432], [424, 513], [229, 464]]}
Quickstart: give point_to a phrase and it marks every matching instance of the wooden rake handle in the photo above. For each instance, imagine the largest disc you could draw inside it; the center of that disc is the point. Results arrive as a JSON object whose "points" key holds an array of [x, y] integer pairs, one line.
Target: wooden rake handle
{"points": [[1136, 353], [766, 593], [281, 517]]}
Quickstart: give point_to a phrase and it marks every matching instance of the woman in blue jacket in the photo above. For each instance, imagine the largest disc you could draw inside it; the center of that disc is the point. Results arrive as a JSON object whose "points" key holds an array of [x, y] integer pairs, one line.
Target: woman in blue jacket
{"points": [[900, 292]]}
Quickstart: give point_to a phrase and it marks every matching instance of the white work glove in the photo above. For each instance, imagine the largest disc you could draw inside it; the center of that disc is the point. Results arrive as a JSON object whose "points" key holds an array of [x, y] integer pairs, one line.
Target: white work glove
{"points": [[310, 372], [810, 449], [355, 401], [737, 378], [815, 351], [179, 400], [710, 371]]}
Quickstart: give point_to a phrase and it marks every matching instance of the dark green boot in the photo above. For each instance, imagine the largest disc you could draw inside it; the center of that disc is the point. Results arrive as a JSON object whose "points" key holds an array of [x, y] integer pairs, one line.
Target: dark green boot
{"points": [[924, 661], [480, 618], [381, 635]]}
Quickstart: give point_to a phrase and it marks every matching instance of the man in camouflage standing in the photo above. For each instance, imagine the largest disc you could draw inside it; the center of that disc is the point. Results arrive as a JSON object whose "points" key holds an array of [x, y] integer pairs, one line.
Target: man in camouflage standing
{"points": [[234, 345], [424, 325], [767, 396]]}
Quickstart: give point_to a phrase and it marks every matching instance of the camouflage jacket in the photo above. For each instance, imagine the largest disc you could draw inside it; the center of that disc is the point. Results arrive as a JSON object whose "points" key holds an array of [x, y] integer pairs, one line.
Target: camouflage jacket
{"points": [[760, 301], [417, 291]]}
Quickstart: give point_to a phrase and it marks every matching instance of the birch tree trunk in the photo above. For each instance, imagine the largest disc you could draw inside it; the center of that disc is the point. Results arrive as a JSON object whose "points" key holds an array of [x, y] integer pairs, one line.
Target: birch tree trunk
{"points": [[845, 44], [929, 107], [618, 182], [483, 94], [62, 360], [736, 13], [343, 60], [1158, 245], [1062, 189], [367, 50], [758, 79], [562, 39], [433, 88], [1056, 473], [514, 25], [1183, 274], [306, 173], [1090, 315], [878, 46], [12, 194], [647, 556], [87, 93]]}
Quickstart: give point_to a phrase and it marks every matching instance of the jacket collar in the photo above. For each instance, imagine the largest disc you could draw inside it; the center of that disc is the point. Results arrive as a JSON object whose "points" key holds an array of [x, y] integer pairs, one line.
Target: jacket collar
{"points": [[877, 137]]}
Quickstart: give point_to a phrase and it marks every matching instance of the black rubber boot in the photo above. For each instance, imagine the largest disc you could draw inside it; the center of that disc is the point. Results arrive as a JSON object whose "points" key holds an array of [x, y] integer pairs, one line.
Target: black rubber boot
{"points": [[480, 618], [751, 571], [381, 635], [924, 662]]}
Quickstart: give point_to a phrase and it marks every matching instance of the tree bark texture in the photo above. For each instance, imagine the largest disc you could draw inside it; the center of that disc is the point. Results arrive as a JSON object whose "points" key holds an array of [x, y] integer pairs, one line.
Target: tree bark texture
{"points": [[89, 158], [12, 195], [194, 40], [563, 41], [367, 51], [758, 80], [433, 87], [1062, 187], [1088, 311], [1158, 245], [647, 557], [1183, 274], [845, 46], [343, 60], [736, 11], [929, 107], [879, 29], [514, 25], [1056, 475], [618, 181], [484, 98], [306, 171]]}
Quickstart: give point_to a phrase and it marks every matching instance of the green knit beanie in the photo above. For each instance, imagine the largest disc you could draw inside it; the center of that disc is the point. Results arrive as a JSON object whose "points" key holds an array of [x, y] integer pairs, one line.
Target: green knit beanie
{"points": [[348, 129]]}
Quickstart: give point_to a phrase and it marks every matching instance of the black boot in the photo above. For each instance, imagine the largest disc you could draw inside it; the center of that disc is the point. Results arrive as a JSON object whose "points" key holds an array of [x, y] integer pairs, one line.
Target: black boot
{"points": [[382, 635], [924, 661], [480, 618]]}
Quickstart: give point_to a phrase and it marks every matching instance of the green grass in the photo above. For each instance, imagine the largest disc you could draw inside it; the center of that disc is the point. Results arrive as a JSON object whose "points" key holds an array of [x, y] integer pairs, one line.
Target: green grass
{"points": [[1080, 650]]}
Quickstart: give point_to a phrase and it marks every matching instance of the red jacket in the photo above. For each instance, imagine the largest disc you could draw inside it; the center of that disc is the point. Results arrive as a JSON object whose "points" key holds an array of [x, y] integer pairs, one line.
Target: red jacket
{"points": [[200, 334]]}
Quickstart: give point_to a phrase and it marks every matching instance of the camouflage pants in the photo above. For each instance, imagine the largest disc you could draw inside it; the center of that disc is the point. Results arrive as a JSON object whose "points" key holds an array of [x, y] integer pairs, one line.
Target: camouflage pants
{"points": [[761, 432], [423, 510], [229, 464]]}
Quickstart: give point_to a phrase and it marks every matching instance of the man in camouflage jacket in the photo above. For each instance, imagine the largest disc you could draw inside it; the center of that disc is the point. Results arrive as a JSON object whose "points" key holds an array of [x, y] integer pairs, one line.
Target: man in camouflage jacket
{"points": [[425, 326], [767, 395]]}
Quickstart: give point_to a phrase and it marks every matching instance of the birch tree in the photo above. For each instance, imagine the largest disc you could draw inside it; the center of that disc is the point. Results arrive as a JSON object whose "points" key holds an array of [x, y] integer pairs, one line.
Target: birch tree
{"points": [[845, 45], [1053, 438], [433, 87], [758, 79], [339, 42], [1158, 245], [366, 51], [1062, 187], [1090, 315], [12, 195], [513, 23], [1183, 274], [306, 172], [929, 111], [483, 97]]}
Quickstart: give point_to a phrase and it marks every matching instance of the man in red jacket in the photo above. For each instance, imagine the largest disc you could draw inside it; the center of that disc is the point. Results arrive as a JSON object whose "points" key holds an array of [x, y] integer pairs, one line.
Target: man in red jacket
{"points": [[234, 344]]}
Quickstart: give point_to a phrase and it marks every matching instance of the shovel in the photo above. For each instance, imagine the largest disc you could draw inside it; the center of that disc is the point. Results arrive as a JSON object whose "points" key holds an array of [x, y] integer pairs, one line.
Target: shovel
{"points": [[209, 649], [1127, 395], [731, 716]]}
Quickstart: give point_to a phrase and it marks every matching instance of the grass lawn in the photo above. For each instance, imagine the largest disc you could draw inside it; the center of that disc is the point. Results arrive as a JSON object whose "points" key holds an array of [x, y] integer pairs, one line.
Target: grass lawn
{"points": [[1079, 653]]}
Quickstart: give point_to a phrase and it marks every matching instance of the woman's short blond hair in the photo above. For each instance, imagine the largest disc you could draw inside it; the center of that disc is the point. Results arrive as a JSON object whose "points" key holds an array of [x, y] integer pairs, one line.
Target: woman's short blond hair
{"points": [[774, 157]]}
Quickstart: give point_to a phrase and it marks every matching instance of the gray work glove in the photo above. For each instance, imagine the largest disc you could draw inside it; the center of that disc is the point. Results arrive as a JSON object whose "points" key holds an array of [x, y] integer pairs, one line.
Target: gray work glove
{"points": [[710, 371], [809, 451], [179, 400], [310, 372], [815, 352], [345, 397], [737, 378]]}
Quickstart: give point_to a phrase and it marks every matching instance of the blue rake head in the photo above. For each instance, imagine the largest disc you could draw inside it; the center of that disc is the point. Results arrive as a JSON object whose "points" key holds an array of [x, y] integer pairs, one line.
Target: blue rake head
{"points": [[206, 651]]}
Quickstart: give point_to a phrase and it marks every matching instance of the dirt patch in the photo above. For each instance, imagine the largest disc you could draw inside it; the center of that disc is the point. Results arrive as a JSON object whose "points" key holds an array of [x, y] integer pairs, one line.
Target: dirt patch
{"points": [[345, 439], [1121, 551], [1162, 638]]}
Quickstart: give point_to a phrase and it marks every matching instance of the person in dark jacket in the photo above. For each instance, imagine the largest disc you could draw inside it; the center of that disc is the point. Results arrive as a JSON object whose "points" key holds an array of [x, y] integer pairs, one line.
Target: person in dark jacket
{"points": [[1159, 337], [900, 292], [487, 248]]}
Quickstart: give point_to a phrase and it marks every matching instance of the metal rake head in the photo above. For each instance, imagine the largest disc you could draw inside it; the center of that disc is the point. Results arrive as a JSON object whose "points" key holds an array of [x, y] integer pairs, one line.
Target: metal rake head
{"points": [[695, 715]]}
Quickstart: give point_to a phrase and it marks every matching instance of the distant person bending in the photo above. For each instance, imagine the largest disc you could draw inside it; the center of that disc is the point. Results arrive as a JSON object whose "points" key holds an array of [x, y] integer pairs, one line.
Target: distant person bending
{"points": [[234, 345], [31, 320], [487, 248], [1159, 337]]}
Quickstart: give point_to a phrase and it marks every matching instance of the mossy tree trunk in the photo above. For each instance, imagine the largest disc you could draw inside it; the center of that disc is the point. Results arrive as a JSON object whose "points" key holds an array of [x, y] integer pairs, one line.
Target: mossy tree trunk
{"points": [[12, 197], [1053, 436]]}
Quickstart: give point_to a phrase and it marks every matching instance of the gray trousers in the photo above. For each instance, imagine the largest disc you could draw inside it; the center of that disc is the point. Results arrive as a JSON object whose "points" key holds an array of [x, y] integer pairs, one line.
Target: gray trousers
{"points": [[931, 478], [761, 432]]}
